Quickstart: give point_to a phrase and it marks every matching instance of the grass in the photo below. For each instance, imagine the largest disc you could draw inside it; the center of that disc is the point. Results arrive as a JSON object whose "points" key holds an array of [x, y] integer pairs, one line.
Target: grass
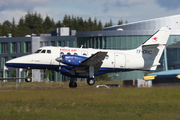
{"points": [[57, 101]]}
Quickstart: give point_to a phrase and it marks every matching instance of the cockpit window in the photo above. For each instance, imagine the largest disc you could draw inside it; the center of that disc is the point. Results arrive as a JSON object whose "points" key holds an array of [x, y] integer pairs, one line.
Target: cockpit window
{"points": [[48, 51], [43, 51], [38, 51]]}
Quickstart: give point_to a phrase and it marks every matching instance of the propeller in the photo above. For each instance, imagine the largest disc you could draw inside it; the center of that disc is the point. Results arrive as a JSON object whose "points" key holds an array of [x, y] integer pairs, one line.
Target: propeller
{"points": [[59, 59]]}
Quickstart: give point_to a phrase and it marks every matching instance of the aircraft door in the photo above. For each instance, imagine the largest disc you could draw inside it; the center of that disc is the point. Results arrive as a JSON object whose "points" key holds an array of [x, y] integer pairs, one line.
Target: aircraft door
{"points": [[120, 60]]}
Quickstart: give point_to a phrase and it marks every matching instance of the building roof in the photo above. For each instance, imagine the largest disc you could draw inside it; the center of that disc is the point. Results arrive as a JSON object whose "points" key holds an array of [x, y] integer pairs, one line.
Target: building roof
{"points": [[152, 24]]}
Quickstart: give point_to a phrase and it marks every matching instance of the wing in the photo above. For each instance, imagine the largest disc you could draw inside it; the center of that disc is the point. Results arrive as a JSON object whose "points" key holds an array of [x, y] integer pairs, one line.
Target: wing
{"points": [[95, 60]]}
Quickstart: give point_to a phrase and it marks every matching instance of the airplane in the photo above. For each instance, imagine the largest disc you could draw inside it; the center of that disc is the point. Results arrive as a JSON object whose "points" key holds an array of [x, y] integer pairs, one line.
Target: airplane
{"points": [[88, 62], [173, 74]]}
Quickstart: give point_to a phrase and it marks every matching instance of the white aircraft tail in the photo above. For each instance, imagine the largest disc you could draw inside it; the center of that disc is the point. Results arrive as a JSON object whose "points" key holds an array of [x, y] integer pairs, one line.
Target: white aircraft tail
{"points": [[153, 48]]}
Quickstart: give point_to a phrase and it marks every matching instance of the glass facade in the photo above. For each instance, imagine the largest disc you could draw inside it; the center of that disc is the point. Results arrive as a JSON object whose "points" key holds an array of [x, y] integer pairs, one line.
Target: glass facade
{"points": [[27, 47], [58, 43], [13, 47], [53, 43], [19, 47], [131, 42], [114, 42], [4, 47]]}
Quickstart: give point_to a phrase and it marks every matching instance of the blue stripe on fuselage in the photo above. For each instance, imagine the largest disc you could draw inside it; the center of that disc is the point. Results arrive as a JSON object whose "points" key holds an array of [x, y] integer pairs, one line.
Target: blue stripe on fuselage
{"points": [[102, 70]]}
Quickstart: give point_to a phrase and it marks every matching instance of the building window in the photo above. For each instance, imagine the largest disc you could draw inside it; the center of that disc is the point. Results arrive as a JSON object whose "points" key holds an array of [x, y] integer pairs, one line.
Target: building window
{"points": [[52, 43], [27, 47], [41, 44], [46, 43], [3, 61], [74, 44], [59, 43], [67, 43], [13, 47], [4, 47], [63, 43], [19, 47]]}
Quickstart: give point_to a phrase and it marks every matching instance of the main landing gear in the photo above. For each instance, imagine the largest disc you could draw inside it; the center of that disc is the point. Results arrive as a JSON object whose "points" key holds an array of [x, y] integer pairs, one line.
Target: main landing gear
{"points": [[90, 81], [73, 84]]}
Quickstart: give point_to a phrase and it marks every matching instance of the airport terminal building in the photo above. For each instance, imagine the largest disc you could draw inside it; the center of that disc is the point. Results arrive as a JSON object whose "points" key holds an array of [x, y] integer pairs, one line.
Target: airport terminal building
{"points": [[120, 37]]}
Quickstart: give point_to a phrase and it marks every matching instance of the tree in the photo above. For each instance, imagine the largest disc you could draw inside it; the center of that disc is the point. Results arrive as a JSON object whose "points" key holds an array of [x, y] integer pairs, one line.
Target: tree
{"points": [[89, 24], [109, 24], [47, 24], [58, 24], [120, 22], [6, 27], [34, 23], [126, 22], [13, 23], [99, 25]]}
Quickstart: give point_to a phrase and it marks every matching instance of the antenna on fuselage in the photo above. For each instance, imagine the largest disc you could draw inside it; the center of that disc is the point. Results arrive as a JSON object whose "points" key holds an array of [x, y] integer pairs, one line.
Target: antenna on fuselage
{"points": [[81, 46]]}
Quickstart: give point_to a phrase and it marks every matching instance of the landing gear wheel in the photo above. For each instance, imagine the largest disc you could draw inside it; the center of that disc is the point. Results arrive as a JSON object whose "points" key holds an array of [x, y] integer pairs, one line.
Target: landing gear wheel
{"points": [[90, 81], [72, 84], [28, 79]]}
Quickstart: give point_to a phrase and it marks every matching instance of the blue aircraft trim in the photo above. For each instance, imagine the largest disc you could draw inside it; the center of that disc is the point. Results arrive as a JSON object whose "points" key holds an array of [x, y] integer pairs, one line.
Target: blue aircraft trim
{"points": [[33, 66], [65, 69]]}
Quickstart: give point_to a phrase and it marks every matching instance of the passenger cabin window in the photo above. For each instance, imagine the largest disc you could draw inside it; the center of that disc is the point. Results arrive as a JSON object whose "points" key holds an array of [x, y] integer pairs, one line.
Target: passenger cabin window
{"points": [[48, 51], [43, 51], [107, 56], [68, 53], [38, 51], [61, 54], [75, 54], [84, 54]]}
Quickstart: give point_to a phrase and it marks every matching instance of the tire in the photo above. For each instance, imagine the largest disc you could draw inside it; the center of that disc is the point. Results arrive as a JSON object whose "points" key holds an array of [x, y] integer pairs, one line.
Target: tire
{"points": [[28, 79], [72, 84], [90, 81]]}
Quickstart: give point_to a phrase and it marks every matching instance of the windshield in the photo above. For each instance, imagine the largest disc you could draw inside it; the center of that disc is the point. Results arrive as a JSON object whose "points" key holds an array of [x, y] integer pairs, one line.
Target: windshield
{"points": [[38, 51]]}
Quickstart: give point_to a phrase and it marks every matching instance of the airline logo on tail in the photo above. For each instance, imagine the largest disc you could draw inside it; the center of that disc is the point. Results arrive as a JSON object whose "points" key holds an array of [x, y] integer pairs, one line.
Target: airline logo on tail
{"points": [[155, 39]]}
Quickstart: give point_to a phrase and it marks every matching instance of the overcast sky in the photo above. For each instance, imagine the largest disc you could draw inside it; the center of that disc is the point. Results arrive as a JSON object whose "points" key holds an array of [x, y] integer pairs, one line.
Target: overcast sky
{"points": [[104, 10]]}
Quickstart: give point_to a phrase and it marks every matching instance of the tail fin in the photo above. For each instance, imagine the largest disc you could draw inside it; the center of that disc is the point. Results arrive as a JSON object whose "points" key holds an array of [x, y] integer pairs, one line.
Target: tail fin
{"points": [[160, 37], [153, 48]]}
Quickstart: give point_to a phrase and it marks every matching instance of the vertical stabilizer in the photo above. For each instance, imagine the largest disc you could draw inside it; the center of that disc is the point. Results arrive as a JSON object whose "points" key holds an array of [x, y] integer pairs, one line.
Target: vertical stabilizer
{"points": [[154, 46]]}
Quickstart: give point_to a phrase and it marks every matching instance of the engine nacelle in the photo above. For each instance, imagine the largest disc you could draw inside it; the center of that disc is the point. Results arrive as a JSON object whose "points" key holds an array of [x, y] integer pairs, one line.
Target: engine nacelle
{"points": [[72, 60]]}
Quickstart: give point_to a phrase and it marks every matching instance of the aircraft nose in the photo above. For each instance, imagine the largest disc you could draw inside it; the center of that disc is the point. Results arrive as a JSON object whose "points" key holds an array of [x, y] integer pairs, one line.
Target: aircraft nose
{"points": [[9, 63]]}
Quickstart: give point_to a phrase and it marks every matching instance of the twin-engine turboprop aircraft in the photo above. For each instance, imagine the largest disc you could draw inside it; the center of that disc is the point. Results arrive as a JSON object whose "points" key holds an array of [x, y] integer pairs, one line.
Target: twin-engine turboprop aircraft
{"points": [[88, 63]]}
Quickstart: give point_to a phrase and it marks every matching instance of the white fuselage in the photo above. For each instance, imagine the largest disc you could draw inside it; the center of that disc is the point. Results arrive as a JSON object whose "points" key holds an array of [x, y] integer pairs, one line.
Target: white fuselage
{"points": [[123, 59]]}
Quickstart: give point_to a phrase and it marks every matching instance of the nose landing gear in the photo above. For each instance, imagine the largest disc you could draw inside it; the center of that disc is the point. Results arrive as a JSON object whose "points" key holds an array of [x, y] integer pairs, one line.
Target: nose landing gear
{"points": [[28, 79], [72, 83]]}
